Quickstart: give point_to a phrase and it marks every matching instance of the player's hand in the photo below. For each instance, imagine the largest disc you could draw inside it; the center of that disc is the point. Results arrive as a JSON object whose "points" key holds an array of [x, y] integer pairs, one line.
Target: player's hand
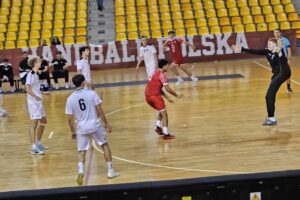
{"points": [[137, 67], [73, 136], [235, 47], [108, 128], [38, 98]]}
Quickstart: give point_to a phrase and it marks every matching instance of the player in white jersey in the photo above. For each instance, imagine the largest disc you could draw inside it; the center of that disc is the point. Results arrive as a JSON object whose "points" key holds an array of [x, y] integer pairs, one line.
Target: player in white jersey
{"points": [[84, 106], [3, 112], [83, 66], [148, 54], [35, 106]]}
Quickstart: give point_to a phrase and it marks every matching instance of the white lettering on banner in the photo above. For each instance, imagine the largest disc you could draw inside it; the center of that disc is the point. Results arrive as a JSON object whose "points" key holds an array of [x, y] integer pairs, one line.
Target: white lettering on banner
{"points": [[96, 53], [161, 54], [125, 52], [241, 40], [47, 53], [223, 43], [66, 54], [33, 51], [211, 45], [138, 46], [193, 53], [255, 196], [76, 49], [112, 53], [183, 49]]}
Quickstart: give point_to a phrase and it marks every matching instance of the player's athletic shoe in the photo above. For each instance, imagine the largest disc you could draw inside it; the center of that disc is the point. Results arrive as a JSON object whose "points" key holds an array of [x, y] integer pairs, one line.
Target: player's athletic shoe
{"points": [[42, 147], [80, 179], [179, 81], [168, 137], [112, 174], [194, 81], [289, 91], [3, 112], [158, 130], [37, 151], [269, 122]]}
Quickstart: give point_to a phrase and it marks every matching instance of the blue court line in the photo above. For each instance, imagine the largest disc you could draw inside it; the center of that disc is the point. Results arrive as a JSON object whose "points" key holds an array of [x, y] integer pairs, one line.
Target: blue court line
{"points": [[171, 80]]}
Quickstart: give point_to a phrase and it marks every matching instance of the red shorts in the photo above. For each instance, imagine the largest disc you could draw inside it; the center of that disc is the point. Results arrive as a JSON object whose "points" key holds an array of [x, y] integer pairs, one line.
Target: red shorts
{"points": [[178, 61], [156, 102]]}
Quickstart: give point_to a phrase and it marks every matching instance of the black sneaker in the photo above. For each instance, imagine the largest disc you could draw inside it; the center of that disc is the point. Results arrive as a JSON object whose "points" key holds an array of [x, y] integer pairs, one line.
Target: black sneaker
{"points": [[289, 91]]}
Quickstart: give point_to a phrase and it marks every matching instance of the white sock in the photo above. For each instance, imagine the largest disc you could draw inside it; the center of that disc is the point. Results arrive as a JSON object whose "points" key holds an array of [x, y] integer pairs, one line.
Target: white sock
{"points": [[158, 123], [38, 142], [273, 119], [179, 78], [165, 131], [109, 166], [80, 167], [34, 146]]}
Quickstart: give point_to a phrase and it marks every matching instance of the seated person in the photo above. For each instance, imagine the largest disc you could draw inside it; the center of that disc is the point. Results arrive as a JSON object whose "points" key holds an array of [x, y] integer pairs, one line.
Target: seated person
{"points": [[55, 41], [44, 75], [60, 70], [7, 74], [24, 68]]}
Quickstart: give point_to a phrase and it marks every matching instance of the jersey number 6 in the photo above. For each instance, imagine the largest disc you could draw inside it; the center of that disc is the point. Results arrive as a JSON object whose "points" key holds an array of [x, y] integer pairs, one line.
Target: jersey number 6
{"points": [[82, 104]]}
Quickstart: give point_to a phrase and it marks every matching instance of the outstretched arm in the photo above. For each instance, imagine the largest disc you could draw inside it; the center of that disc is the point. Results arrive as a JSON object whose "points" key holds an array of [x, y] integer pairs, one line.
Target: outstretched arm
{"points": [[251, 51]]}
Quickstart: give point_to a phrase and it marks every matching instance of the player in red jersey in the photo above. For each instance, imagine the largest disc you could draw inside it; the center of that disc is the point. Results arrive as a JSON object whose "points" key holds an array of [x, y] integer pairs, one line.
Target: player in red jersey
{"points": [[154, 94], [175, 46]]}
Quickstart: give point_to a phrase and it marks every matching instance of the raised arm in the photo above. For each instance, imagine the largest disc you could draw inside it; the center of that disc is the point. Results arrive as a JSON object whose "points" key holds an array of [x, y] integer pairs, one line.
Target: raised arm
{"points": [[251, 51]]}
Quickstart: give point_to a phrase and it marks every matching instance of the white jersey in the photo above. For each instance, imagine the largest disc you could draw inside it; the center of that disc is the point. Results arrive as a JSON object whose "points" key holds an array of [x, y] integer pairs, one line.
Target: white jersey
{"points": [[82, 104], [33, 80], [85, 68], [148, 53]]}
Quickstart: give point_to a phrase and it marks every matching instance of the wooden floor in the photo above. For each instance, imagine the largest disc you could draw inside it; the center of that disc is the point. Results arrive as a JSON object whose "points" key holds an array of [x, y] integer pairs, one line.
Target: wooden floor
{"points": [[217, 126]]}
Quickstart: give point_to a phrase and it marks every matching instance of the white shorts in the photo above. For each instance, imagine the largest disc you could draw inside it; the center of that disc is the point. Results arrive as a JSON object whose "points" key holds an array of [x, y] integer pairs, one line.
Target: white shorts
{"points": [[36, 110], [83, 140]]}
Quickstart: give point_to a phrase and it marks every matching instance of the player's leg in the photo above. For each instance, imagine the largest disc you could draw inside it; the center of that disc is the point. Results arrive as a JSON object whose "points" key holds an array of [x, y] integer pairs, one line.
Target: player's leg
{"points": [[165, 122], [3, 112], [12, 83], [33, 137], [288, 84], [55, 77], [81, 160], [40, 131], [184, 68], [158, 128], [66, 75], [176, 72], [83, 144], [150, 71]]}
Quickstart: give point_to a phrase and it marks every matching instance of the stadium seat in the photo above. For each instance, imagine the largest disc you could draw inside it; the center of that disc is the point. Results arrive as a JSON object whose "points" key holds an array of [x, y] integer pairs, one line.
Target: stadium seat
{"points": [[163, 2], [152, 8], [227, 29], [121, 36], [145, 33], [70, 15], [12, 27], [26, 10], [121, 28], [256, 10], [190, 23], [155, 25], [81, 31], [142, 10], [235, 20], [284, 2], [281, 17], [130, 11], [191, 32], [81, 14], [208, 4], [119, 11], [222, 12], [81, 40], [4, 11], [290, 8], [201, 22], [5, 3], [58, 32], [2, 37], [267, 10], [219, 4], [247, 19], [131, 18], [253, 3], [143, 26], [273, 26], [16, 3], [165, 17], [1, 45], [250, 28], [186, 7], [14, 18], [37, 9], [224, 21], [22, 44], [285, 26], [180, 32], [48, 8], [176, 15], [296, 25], [15, 10], [213, 21], [259, 19], [262, 27], [167, 25], [215, 30], [38, 2], [69, 32], [36, 17], [27, 2], [48, 16], [3, 28], [233, 12], [156, 34], [24, 27], [185, 1], [203, 31], [56, 24], [81, 23], [34, 34], [60, 8], [68, 40], [188, 15], [178, 24], [119, 3], [81, 6], [131, 27], [25, 18], [129, 3], [211, 13], [242, 3], [10, 45], [197, 6], [278, 9], [23, 35], [264, 2], [174, 1], [3, 19], [46, 34], [143, 17], [245, 11], [293, 17], [133, 36], [34, 43], [120, 20], [199, 14], [275, 2], [231, 4], [141, 3], [270, 18], [164, 8], [11, 36], [49, 2], [239, 28]]}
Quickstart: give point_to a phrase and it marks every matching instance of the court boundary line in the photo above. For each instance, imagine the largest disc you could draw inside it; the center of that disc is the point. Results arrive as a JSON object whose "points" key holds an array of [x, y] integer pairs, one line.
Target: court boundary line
{"points": [[268, 68]]}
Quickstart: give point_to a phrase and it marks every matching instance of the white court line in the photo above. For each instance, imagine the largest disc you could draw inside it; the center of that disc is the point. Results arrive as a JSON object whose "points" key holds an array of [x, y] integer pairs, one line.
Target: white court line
{"points": [[268, 68], [161, 166], [50, 135]]}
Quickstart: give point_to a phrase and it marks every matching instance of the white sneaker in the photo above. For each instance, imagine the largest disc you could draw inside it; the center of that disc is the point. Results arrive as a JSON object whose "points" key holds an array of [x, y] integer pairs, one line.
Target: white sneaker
{"points": [[56, 86], [12, 89], [67, 86], [42, 147], [37, 151], [112, 174], [80, 179], [194, 81], [180, 81], [3, 112]]}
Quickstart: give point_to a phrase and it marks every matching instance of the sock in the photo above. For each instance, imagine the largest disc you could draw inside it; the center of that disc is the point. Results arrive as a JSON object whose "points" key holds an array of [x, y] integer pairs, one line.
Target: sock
{"points": [[179, 78], [288, 85], [34, 146], [272, 119], [165, 131], [192, 77], [109, 166], [80, 167], [158, 123]]}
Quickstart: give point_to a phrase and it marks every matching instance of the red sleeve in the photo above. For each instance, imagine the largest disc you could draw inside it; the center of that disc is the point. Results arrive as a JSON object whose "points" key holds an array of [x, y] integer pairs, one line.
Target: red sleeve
{"points": [[163, 78]]}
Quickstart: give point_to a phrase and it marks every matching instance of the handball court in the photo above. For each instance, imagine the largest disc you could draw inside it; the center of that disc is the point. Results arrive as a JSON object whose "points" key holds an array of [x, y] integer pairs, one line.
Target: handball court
{"points": [[217, 126]]}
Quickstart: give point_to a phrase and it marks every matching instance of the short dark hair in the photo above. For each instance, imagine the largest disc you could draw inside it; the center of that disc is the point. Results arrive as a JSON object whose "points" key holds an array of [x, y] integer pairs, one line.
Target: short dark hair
{"points": [[82, 49], [143, 36], [78, 79], [5, 60], [173, 32], [162, 63], [277, 29], [58, 52]]}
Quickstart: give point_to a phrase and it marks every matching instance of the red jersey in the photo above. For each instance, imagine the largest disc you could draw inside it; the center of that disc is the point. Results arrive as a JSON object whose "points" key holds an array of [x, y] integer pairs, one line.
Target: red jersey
{"points": [[175, 48], [155, 85]]}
